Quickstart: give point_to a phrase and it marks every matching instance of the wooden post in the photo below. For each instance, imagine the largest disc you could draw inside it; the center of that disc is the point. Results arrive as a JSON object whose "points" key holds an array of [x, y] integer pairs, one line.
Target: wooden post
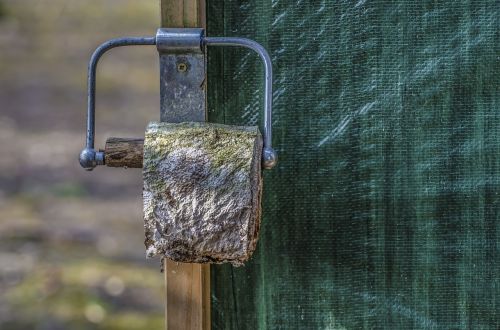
{"points": [[183, 13], [187, 285]]}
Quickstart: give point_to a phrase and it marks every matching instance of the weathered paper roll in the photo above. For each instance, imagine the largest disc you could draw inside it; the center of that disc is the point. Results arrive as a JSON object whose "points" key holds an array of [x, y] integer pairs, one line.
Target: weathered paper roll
{"points": [[202, 191]]}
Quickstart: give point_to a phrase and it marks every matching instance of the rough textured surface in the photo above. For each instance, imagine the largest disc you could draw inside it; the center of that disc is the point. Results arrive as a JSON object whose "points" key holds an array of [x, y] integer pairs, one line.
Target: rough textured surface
{"points": [[202, 190], [384, 209], [124, 152]]}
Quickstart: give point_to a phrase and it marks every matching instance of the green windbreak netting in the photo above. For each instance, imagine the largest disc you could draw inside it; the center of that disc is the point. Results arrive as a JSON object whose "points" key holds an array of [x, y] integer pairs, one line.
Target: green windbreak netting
{"points": [[384, 210]]}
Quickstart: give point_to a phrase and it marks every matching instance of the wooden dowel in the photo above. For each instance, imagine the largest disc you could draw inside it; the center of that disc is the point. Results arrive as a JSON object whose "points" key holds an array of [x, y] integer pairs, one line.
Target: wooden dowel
{"points": [[124, 152]]}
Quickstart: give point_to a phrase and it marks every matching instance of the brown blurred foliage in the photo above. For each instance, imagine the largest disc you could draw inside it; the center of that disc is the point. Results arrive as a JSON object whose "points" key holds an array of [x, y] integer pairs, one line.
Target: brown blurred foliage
{"points": [[71, 242]]}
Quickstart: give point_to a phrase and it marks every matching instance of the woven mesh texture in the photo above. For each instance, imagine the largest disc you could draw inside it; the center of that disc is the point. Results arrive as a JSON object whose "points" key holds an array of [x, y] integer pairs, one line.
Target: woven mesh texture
{"points": [[384, 210]]}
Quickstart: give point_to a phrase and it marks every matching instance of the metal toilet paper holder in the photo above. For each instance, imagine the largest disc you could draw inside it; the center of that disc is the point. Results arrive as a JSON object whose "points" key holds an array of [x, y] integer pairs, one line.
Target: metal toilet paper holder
{"points": [[182, 79]]}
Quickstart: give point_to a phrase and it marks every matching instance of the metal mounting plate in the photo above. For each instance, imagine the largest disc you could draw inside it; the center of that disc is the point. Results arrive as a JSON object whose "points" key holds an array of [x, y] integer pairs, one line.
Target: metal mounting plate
{"points": [[182, 87], [182, 74]]}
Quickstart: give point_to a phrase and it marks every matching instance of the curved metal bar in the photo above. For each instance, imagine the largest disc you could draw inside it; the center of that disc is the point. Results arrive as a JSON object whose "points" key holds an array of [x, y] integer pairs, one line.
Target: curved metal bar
{"points": [[89, 158], [269, 155]]}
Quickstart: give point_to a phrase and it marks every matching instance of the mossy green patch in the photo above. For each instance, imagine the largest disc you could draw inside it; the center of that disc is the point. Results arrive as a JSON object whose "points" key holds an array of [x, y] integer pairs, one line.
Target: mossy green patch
{"points": [[221, 142]]}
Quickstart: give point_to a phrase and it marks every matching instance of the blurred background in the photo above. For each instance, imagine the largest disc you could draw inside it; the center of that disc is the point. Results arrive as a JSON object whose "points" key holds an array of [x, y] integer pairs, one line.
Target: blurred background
{"points": [[71, 242]]}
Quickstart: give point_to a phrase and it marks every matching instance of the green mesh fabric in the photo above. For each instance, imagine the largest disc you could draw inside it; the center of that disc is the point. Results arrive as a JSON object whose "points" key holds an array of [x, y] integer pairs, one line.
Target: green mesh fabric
{"points": [[384, 210]]}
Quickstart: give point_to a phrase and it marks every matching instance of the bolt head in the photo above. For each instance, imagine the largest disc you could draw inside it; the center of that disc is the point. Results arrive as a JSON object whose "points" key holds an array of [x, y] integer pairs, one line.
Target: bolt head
{"points": [[269, 158], [182, 67], [87, 159]]}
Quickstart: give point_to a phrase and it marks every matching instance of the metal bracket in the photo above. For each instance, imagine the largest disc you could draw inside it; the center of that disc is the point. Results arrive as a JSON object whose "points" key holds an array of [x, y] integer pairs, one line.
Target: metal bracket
{"points": [[182, 90], [182, 75]]}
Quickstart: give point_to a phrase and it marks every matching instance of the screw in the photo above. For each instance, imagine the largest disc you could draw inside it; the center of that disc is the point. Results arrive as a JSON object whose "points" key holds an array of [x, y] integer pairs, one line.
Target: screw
{"points": [[182, 67]]}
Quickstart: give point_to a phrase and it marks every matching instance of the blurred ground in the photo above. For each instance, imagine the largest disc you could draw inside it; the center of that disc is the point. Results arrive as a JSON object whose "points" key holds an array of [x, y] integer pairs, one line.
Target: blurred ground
{"points": [[71, 242]]}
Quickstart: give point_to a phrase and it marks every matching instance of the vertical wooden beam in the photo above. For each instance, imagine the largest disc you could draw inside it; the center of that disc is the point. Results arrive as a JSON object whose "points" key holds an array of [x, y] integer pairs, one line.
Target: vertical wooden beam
{"points": [[187, 286], [183, 13], [187, 296]]}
